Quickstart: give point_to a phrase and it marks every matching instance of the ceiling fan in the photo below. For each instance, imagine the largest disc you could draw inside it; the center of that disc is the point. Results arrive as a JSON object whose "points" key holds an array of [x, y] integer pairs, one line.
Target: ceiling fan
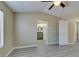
{"points": [[56, 3]]}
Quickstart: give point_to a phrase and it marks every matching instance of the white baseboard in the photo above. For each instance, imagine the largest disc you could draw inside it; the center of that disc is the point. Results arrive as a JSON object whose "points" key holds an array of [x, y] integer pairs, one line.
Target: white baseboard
{"points": [[25, 46], [9, 52], [52, 43], [72, 43], [19, 48]]}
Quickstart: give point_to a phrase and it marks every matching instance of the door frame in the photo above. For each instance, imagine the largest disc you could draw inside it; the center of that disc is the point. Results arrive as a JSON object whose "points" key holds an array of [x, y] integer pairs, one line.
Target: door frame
{"points": [[45, 38]]}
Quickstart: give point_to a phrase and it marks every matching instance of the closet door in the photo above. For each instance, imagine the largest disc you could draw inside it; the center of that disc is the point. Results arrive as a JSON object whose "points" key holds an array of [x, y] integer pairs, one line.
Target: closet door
{"points": [[63, 32]]}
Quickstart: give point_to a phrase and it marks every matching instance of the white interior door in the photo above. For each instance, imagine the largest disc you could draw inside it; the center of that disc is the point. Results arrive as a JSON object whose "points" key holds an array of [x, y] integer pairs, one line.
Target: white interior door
{"points": [[63, 32]]}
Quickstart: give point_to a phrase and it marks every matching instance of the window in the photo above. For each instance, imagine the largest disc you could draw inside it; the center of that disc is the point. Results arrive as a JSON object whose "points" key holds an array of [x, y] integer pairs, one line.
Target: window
{"points": [[1, 29]]}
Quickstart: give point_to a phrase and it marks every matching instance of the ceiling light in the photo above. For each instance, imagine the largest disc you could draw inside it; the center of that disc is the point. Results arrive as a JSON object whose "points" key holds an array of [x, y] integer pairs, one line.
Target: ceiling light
{"points": [[57, 3]]}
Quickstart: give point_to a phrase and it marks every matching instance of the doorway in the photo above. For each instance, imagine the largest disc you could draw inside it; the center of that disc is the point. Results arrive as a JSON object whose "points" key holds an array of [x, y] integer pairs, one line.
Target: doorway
{"points": [[42, 32], [77, 32]]}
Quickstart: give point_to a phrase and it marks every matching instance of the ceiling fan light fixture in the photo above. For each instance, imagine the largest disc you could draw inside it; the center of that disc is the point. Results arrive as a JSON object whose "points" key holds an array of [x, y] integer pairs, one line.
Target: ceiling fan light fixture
{"points": [[57, 3]]}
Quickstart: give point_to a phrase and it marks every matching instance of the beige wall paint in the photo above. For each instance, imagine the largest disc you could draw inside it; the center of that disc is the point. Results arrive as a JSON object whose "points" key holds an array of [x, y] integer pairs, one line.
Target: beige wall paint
{"points": [[26, 29], [8, 29], [71, 32]]}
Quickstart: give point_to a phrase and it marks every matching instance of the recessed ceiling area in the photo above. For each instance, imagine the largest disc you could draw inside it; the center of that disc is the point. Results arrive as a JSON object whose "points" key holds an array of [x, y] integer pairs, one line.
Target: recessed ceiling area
{"points": [[70, 11]]}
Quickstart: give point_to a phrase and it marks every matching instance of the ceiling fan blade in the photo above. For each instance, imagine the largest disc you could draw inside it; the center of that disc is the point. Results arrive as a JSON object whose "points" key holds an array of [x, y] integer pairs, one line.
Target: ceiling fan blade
{"points": [[46, 1], [62, 5], [51, 6]]}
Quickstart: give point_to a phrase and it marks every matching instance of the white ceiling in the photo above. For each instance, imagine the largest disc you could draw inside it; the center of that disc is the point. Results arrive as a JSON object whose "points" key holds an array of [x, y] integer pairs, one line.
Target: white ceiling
{"points": [[71, 10], [26, 6]]}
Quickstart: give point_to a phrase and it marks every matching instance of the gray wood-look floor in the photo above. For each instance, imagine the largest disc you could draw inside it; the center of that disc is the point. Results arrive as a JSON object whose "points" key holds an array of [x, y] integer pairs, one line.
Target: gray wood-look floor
{"points": [[47, 51]]}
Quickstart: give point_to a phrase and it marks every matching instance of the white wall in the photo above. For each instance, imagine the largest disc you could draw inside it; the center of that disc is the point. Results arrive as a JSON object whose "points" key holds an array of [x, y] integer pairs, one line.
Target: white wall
{"points": [[26, 28], [63, 32]]}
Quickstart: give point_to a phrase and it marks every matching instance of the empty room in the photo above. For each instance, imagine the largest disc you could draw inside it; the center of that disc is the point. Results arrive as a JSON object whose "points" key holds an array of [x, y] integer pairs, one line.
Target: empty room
{"points": [[39, 28]]}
